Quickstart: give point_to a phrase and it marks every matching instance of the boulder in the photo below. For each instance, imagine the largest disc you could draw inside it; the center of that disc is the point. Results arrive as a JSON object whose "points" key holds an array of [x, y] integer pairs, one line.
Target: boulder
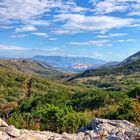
{"points": [[98, 129], [112, 129]]}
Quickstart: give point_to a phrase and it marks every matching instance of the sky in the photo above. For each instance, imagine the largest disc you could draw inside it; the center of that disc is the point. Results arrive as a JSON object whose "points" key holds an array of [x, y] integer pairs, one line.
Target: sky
{"points": [[102, 29]]}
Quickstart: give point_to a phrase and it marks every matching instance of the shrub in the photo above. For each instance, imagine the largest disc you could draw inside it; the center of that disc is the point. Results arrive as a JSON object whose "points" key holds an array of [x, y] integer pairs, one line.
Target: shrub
{"points": [[135, 93]]}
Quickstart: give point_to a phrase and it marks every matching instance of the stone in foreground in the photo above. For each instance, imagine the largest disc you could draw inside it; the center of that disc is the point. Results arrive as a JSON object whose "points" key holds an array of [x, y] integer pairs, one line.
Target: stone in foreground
{"points": [[98, 129]]}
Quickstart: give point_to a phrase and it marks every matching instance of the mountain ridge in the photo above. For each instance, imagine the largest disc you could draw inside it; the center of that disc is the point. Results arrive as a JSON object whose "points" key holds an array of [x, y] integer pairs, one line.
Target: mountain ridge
{"points": [[31, 67], [68, 63], [133, 58], [128, 66]]}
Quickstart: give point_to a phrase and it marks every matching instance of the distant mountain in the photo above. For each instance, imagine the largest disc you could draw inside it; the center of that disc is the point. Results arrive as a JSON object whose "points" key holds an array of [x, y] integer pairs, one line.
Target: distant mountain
{"points": [[133, 58], [2, 57], [110, 64], [76, 64], [128, 66], [31, 66]]}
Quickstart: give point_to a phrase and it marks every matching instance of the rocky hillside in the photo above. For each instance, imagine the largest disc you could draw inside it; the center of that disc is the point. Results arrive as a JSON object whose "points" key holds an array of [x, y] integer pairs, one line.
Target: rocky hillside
{"points": [[31, 67], [110, 64], [133, 58], [98, 129]]}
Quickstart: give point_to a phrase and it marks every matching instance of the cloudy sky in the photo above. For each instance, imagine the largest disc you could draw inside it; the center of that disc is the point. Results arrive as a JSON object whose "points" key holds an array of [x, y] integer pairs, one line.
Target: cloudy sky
{"points": [[104, 29]]}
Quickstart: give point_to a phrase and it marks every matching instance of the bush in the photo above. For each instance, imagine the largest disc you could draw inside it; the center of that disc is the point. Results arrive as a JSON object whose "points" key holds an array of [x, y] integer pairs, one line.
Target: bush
{"points": [[135, 93], [125, 111], [58, 119], [44, 116]]}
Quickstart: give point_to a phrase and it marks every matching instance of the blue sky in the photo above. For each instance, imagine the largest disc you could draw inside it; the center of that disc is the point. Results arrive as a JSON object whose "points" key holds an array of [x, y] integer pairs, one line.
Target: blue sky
{"points": [[104, 29]]}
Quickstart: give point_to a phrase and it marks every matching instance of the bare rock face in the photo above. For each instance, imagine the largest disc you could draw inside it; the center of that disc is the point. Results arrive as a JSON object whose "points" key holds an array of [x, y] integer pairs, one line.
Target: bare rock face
{"points": [[98, 129], [114, 129], [12, 131], [3, 123]]}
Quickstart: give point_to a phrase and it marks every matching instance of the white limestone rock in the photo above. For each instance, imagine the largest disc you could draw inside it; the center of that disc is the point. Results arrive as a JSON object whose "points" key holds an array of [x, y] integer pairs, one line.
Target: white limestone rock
{"points": [[97, 129], [12, 131], [3, 123]]}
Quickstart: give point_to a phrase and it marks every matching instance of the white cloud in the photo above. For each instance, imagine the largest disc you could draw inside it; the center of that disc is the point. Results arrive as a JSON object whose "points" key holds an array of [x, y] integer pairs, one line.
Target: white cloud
{"points": [[136, 10], [79, 22], [18, 35], [40, 34], [38, 22], [19, 48], [71, 6], [6, 27], [22, 9], [26, 28], [92, 42], [9, 48], [31, 9], [52, 39], [126, 40], [73, 19], [109, 6], [112, 35], [68, 31]]}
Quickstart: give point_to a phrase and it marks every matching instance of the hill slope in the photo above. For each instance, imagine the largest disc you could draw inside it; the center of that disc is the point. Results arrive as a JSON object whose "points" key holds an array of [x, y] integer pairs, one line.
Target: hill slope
{"points": [[128, 66], [133, 58], [110, 64], [124, 69], [31, 67], [13, 86], [124, 76]]}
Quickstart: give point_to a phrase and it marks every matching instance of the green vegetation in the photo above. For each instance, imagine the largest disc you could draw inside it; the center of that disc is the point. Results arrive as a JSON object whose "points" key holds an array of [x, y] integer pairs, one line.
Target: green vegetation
{"points": [[112, 82], [118, 70], [61, 107], [119, 78]]}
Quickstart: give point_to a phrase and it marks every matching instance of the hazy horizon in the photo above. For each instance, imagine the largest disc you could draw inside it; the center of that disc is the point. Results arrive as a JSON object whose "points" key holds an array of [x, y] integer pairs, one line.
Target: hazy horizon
{"points": [[30, 56]]}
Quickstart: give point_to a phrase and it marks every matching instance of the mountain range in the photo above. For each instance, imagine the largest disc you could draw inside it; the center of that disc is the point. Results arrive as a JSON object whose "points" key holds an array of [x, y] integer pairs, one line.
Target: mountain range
{"points": [[54, 66], [70, 64]]}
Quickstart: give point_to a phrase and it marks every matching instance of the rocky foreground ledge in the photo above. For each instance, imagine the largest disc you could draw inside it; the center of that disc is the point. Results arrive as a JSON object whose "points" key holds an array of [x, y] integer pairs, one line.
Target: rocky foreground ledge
{"points": [[98, 129]]}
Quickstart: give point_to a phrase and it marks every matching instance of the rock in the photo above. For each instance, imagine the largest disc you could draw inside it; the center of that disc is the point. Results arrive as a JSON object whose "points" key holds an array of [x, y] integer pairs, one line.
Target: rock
{"points": [[3, 123], [97, 129], [113, 128], [115, 138], [4, 136], [12, 131]]}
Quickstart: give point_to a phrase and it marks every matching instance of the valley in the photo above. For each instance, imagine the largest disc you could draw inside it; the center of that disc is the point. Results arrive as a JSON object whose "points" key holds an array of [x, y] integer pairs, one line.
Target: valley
{"points": [[122, 77], [64, 102]]}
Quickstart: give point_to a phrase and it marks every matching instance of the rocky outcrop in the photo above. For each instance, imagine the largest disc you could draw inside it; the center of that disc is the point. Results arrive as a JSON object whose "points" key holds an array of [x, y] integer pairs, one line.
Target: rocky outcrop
{"points": [[98, 129]]}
